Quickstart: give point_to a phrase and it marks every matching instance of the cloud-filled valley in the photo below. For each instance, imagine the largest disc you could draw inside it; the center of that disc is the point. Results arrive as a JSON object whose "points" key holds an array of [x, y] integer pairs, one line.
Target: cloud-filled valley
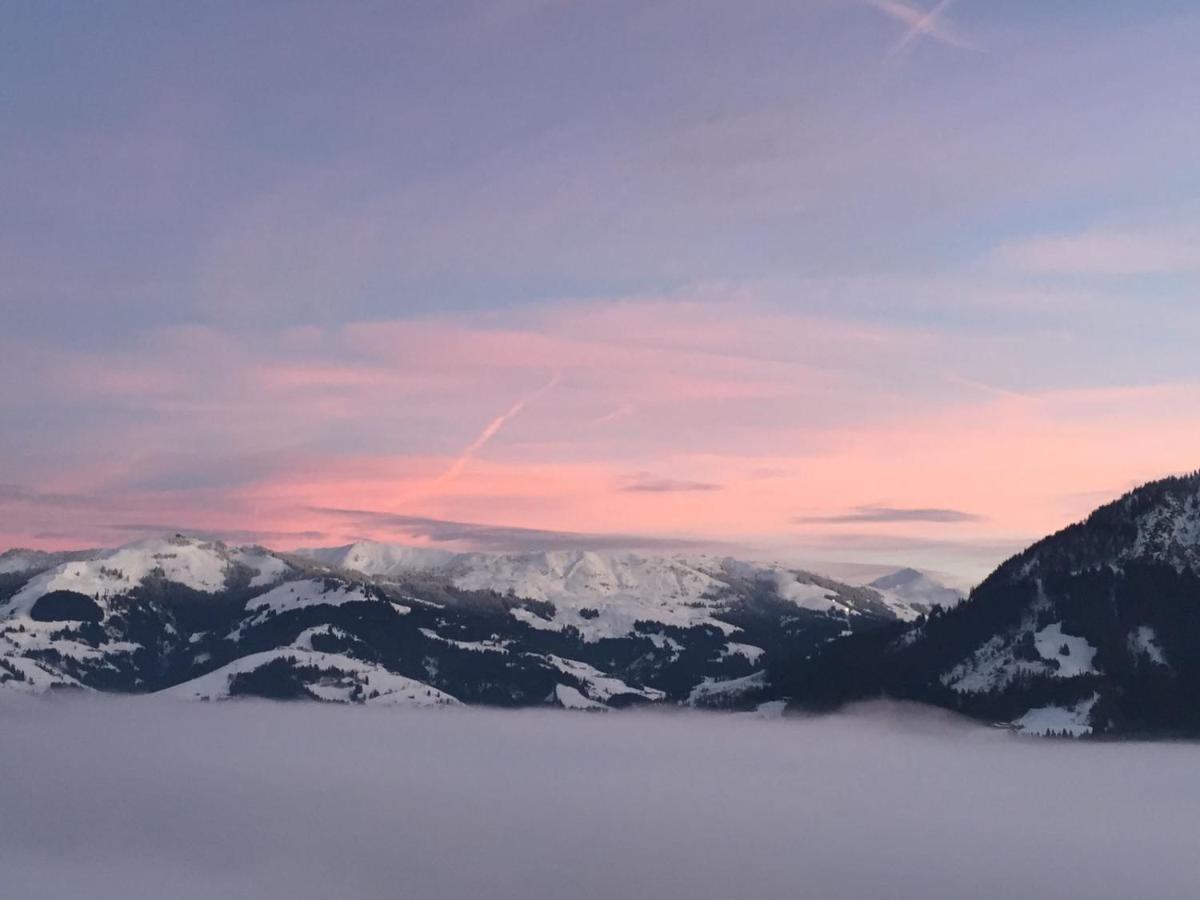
{"points": [[141, 798]]}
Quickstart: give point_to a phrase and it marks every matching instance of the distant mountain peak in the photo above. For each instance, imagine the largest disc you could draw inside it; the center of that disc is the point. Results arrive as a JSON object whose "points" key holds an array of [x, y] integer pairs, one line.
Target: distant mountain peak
{"points": [[897, 578]]}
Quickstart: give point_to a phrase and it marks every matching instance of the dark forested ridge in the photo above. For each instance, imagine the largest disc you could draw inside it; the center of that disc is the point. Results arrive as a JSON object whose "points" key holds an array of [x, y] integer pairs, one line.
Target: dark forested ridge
{"points": [[1096, 627]]}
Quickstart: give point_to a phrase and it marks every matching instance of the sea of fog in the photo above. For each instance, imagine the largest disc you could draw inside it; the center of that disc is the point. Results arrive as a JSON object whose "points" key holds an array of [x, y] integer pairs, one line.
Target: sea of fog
{"points": [[112, 798]]}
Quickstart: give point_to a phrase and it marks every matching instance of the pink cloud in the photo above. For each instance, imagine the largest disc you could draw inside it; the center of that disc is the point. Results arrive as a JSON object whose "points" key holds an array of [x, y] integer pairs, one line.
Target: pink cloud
{"points": [[260, 432]]}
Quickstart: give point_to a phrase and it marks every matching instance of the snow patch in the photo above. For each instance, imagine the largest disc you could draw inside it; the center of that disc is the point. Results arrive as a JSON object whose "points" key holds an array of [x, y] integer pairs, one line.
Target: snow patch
{"points": [[729, 689], [749, 651], [302, 594], [569, 698], [1074, 720], [600, 686], [377, 685], [1077, 660], [490, 646]]}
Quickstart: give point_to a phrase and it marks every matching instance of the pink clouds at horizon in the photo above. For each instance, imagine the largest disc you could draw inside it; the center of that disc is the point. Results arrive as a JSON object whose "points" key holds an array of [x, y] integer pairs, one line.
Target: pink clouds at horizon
{"points": [[743, 423]]}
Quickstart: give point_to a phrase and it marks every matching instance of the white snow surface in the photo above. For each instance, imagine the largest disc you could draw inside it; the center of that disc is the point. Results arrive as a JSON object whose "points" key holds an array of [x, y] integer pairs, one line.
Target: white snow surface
{"points": [[1077, 661], [293, 595], [199, 565], [37, 636], [622, 588], [749, 651], [488, 646], [994, 665], [36, 678], [304, 639], [600, 686], [1074, 720], [393, 689], [269, 567], [379, 559], [570, 698], [731, 688]]}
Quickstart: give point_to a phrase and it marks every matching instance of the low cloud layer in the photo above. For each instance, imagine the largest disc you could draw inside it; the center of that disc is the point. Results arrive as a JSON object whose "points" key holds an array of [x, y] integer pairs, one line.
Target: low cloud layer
{"points": [[140, 799]]}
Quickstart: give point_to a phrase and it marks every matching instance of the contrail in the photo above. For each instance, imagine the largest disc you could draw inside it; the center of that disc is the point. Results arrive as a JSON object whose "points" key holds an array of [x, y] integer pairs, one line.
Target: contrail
{"points": [[922, 23], [490, 431], [987, 388]]}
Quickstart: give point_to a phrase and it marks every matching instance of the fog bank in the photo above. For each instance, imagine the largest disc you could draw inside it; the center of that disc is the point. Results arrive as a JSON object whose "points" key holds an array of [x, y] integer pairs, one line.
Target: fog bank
{"points": [[128, 798]]}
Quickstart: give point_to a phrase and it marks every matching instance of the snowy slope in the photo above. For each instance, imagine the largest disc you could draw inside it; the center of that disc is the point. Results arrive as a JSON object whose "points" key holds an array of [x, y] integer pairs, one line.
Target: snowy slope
{"points": [[340, 679], [599, 686], [293, 595], [1058, 720], [378, 559], [604, 594], [199, 565]]}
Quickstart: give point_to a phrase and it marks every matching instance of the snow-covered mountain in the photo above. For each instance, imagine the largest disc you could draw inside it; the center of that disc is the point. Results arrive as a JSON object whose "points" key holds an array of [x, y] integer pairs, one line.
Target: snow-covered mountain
{"points": [[382, 560], [1095, 628], [201, 566], [606, 594], [377, 623]]}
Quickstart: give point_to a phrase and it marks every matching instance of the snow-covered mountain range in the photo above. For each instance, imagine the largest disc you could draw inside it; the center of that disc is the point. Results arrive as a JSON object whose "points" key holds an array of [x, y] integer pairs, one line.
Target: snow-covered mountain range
{"points": [[624, 588], [1093, 629], [379, 623]]}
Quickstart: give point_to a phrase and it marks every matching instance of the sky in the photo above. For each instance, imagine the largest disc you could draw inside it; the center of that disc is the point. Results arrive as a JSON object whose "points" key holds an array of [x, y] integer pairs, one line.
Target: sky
{"points": [[830, 279], [140, 798]]}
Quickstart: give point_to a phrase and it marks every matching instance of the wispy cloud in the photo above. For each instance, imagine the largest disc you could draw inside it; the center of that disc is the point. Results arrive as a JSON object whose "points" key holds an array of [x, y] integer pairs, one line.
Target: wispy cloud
{"points": [[893, 514], [669, 486], [15, 494], [504, 538], [994, 390], [741, 396]]}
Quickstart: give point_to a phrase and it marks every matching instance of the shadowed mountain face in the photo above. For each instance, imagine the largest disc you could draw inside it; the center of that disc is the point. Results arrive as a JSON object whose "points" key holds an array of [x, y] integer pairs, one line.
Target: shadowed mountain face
{"points": [[372, 623], [1093, 629]]}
